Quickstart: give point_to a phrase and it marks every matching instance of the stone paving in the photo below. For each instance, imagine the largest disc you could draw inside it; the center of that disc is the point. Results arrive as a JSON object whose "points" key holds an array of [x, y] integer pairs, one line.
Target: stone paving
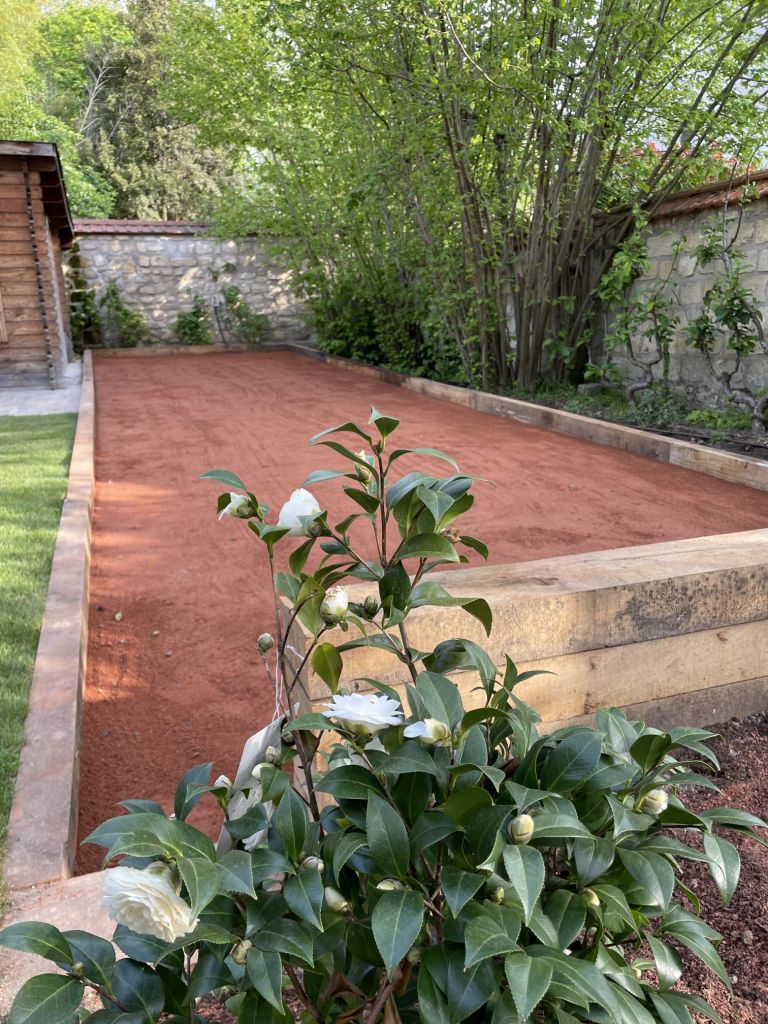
{"points": [[23, 401]]}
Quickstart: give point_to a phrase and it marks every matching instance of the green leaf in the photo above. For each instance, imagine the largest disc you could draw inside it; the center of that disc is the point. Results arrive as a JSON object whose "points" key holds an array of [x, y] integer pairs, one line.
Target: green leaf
{"points": [[650, 749], [343, 428], [235, 870], [137, 987], [626, 820], [466, 990], [368, 502], [459, 886], [310, 722], [429, 828], [476, 545], [384, 424], [411, 756], [350, 782], [95, 954], [567, 912], [396, 922], [458, 655], [290, 820], [38, 938], [671, 1009], [525, 870], [428, 545], [463, 804], [265, 969], [223, 476], [550, 825], [47, 999], [436, 453], [304, 895], [209, 974], [704, 950], [298, 558], [593, 857], [441, 698], [394, 592], [326, 662], [174, 838], [432, 1004], [528, 981], [571, 761], [669, 963], [189, 789], [284, 936], [387, 837], [347, 847], [653, 873], [318, 476], [201, 878], [724, 866], [490, 933]]}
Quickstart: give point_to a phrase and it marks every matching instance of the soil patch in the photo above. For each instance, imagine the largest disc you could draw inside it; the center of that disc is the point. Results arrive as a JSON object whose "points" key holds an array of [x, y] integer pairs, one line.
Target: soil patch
{"points": [[177, 599]]}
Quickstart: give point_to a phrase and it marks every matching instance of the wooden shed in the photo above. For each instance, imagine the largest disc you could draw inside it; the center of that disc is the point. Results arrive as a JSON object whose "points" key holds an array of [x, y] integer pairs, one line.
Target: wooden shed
{"points": [[35, 226]]}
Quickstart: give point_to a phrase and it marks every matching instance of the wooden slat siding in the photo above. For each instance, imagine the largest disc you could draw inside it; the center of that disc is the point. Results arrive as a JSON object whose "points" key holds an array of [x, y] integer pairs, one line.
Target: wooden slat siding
{"points": [[13, 206], [13, 231], [62, 285], [3, 330], [12, 192]]}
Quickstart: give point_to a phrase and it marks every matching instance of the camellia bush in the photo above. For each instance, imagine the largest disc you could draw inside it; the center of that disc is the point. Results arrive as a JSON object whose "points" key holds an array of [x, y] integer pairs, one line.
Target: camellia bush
{"points": [[444, 864]]}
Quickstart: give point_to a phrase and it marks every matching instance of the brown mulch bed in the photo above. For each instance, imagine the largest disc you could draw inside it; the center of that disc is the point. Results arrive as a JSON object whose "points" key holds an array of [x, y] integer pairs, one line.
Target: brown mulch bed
{"points": [[742, 748]]}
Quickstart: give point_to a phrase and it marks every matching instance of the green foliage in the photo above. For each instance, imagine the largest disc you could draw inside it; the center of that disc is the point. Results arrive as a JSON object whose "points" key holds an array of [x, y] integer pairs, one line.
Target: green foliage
{"points": [[121, 326], [239, 321], [462, 867], [193, 326], [659, 406], [719, 419], [84, 319]]}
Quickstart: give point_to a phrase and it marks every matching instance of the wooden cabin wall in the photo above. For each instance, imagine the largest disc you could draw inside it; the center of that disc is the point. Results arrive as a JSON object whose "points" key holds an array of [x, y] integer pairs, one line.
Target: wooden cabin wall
{"points": [[22, 342]]}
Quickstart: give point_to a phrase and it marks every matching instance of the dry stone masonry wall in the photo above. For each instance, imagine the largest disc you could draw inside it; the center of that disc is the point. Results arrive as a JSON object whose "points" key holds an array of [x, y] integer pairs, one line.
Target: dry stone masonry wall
{"points": [[159, 268], [690, 282]]}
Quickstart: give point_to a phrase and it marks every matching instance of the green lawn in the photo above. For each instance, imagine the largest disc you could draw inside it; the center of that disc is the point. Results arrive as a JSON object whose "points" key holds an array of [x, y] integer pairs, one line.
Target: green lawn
{"points": [[34, 461]]}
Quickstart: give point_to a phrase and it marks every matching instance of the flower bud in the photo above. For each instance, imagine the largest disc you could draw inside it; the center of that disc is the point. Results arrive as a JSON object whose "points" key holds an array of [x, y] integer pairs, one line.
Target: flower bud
{"points": [[363, 472], [240, 952], [274, 882], [654, 802], [390, 885], [414, 954], [271, 755], [266, 642], [370, 606], [335, 901], [77, 970], [498, 894], [430, 731], [591, 898], [521, 829], [453, 535], [334, 606], [312, 864], [239, 506], [287, 737], [223, 782]]}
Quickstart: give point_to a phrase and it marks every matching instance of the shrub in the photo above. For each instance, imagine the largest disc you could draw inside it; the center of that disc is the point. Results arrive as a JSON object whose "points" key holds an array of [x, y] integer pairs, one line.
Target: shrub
{"points": [[239, 321], [447, 864], [192, 327], [121, 326]]}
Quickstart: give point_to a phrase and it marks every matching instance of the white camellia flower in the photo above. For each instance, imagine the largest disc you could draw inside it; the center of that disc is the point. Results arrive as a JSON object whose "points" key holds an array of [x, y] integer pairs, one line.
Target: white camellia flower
{"points": [[147, 901], [363, 713], [300, 503], [431, 730], [334, 606], [239, 506], [223, 782]]}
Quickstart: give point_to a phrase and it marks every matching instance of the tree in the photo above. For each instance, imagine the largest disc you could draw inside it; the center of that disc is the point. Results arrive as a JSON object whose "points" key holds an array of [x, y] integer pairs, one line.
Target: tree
{"points": [[484, 159]]}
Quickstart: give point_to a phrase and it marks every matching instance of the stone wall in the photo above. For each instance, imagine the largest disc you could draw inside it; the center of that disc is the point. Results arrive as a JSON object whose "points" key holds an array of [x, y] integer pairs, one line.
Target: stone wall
{"points": [[160, 267], [689, 282]]}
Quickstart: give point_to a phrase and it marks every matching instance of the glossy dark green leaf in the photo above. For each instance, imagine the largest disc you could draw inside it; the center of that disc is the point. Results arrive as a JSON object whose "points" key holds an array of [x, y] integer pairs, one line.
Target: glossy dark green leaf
{"points": [[428, 545], [653, 873], [650, 749], [724, 865], [349, 782], [235, 870], [284, 936], [430, 828], [326, 662], [528, 981], [223, 476], [492, 932], [138, 988], [387, 837], [459, 886], [95, 954], [396, 921], [38, 938], [290, 820], [201, 877], [567, 911], [441, 698], [669, 963], [571, 761], [592, 857], [47, 999], [265, 969], [525, 870], [304, 895], [190, 789]]}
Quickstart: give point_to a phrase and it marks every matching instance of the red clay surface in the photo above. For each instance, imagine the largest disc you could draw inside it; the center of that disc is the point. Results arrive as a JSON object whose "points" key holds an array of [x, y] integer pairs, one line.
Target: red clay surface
{"points": [[155, 704]]}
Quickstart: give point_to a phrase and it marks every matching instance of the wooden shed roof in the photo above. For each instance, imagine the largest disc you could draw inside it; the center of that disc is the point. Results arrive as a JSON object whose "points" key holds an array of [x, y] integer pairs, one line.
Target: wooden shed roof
{"points": [[43, 157], [712, 195]]}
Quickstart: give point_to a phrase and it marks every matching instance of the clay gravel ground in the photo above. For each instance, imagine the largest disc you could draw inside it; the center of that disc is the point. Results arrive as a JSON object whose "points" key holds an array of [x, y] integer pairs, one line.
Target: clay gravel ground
{"points": [[177, 599]]}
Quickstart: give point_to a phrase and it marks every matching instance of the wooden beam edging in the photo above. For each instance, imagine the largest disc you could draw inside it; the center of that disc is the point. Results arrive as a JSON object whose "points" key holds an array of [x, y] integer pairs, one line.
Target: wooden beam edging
{"points": [[738, 469], [42, 830]]}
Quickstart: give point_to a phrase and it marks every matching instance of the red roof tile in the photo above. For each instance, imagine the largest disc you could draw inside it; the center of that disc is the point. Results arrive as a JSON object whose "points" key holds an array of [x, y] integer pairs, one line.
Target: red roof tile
{"points": [[94, 226], [711, 196]]}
